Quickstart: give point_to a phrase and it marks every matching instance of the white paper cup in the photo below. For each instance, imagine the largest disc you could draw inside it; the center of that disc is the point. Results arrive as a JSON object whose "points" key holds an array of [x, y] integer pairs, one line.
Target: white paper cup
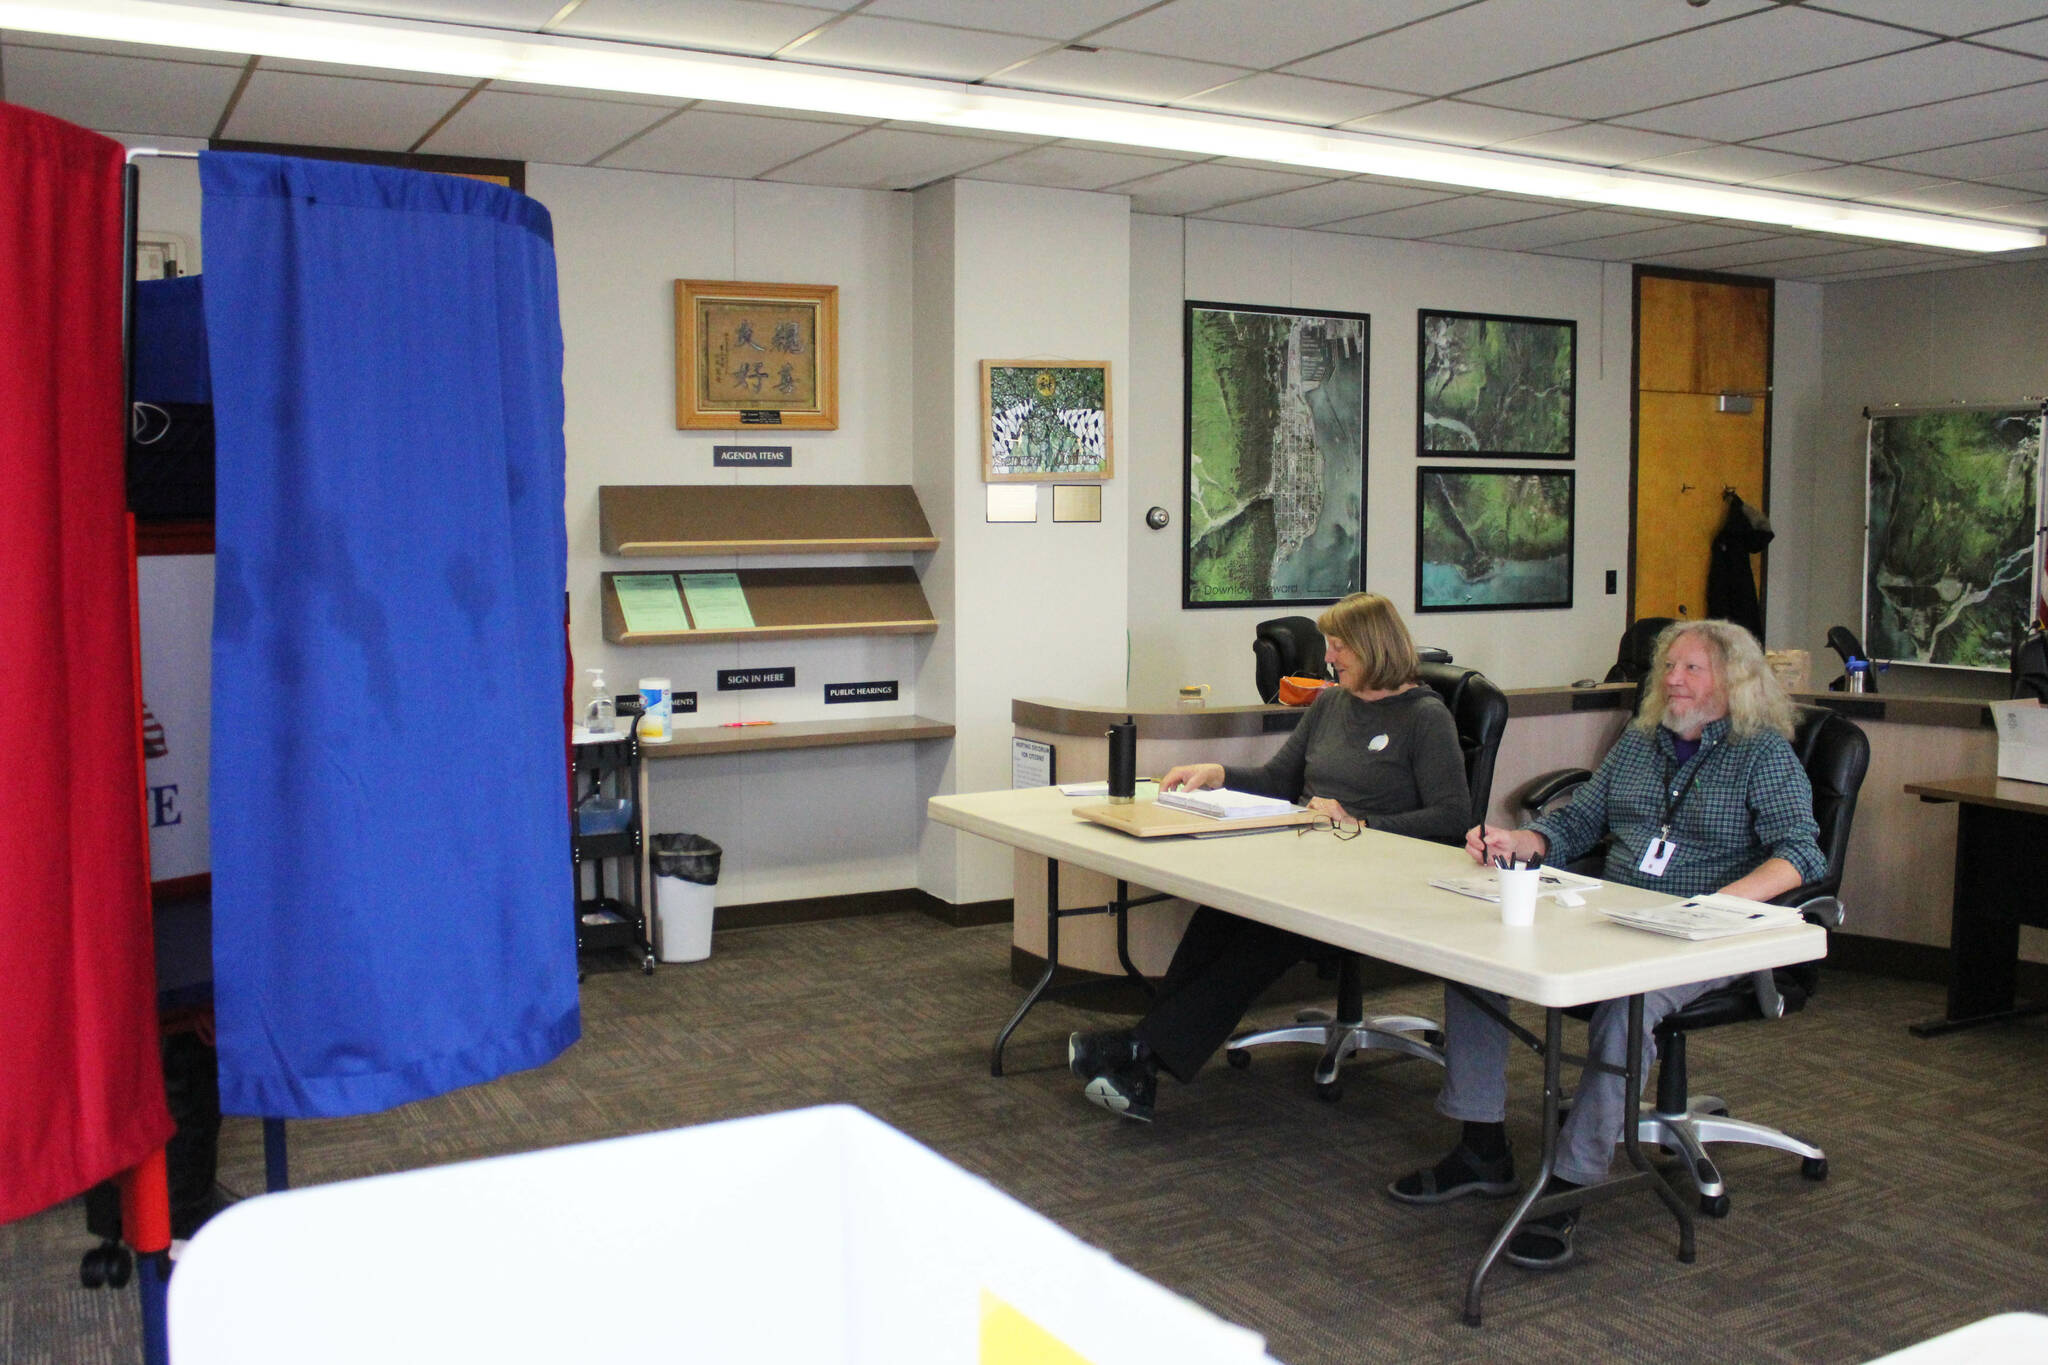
{"points": [[1518, 896]]}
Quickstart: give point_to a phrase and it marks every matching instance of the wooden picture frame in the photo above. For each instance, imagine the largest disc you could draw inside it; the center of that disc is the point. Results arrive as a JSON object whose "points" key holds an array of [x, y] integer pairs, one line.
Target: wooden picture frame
{"points": [[1490, 386], [1493, 539], [1045, 421], [756, 355]]}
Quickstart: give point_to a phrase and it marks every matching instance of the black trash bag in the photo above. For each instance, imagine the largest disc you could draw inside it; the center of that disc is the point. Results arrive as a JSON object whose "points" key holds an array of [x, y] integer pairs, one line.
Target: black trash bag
{"points": [[690, 857]]}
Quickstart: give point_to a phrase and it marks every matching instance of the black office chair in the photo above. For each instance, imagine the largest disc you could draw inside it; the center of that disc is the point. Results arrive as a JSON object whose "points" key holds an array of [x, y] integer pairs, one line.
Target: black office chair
{"points": [[1286, 647], [1836, 754], [1638, 649], [1843, 641], [1480, 711]]}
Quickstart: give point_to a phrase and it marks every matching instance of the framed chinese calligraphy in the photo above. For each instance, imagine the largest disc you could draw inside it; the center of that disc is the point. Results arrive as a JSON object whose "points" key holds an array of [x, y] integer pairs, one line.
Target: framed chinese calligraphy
{"points": [[751, 355], [1044, 421]]}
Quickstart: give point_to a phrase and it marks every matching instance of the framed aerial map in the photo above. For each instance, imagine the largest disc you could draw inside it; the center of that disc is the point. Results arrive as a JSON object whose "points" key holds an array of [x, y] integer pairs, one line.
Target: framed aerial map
{"points": [[1495, 387], [1492, 539], [1949, 559], [1275, 455]]}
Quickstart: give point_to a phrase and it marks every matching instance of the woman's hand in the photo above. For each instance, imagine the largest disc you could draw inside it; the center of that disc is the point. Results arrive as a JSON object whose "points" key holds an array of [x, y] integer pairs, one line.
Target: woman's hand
{"points": [[1193, 777], [1324, 805], [1487, 842]]}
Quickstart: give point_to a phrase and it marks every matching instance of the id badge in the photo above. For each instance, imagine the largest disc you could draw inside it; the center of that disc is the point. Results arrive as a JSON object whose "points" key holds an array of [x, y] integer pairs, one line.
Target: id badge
{"points": [[1657, 857]]}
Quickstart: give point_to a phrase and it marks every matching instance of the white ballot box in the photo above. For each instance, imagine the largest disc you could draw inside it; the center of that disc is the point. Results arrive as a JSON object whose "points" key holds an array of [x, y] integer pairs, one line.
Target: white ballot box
{"points": [[2022, 739], [816, 1236]]}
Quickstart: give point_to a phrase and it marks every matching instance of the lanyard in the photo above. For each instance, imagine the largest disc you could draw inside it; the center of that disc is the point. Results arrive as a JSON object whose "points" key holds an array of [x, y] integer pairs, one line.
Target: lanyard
{"points": [[1674, 799]]}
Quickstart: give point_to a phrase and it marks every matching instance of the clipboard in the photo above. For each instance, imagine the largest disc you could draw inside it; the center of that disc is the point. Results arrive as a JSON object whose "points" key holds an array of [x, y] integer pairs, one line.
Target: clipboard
{"points": [[1148, 820]]}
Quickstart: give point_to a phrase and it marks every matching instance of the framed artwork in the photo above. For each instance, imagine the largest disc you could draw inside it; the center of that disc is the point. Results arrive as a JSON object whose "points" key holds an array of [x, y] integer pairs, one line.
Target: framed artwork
{"points": [[1274, 476], [1496, 387], [1492, 539], [757, 355], [1044, 420], [1949, 562]]}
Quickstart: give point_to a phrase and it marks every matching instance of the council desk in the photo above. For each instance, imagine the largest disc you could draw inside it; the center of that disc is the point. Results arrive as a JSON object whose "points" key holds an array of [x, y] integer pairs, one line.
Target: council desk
{"points": [[1372, 895]]}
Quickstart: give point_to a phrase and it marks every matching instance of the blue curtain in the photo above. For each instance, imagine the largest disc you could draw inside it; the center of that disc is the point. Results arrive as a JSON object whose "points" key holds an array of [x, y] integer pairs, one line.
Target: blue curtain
{"points": [[392, 888]]}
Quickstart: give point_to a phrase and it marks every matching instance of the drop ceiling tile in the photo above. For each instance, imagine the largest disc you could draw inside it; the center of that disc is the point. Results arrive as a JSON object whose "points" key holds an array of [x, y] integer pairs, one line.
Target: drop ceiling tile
{"points": [[1633, 246], [1296, 99], [1995, 159], [1061, 20], [608, 96], [180, 99], [1224, 30], [1065, 167], [1535, 233], [527, 15], [1119, 75], [549, 128], [1733, 165], [1739, 255], [2020, 37], [332, 111], [892, 159], [1320, 204], [768, 111], [1922, 76], [1849, 182], [1956, 196], [2036, 181], [1602, 144], [1756, 47], [1191, 189], [746, 26], [1950, 18], [365, 73], [1471, 125], [1968, 119], [1872, 258], [703, 142], [897, 45], [1477, 44], [1446, 215], [2028, 213]]}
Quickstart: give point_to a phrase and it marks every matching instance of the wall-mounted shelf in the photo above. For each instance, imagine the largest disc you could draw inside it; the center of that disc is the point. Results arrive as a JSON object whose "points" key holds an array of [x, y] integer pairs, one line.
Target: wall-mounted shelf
{"points": [[648, 520], [704, 740], [790, 604]]}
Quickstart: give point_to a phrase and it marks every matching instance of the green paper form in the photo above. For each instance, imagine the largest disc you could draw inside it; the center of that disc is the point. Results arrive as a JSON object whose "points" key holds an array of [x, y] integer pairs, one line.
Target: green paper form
{"points": [[717, 601], [649, 603]]}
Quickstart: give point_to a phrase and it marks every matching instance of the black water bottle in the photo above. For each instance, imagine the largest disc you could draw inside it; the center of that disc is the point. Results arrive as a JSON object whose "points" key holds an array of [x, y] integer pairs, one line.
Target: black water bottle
{"points": [[1123, 762]]}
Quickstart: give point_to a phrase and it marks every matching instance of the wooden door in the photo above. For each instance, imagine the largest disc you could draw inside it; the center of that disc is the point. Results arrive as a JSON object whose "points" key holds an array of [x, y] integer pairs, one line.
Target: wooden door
{"points": [[1697, 338]]}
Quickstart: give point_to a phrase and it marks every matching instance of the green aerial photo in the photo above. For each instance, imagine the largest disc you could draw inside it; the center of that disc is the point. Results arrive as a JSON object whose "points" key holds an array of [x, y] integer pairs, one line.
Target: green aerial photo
{"points": [[1276, 455]]}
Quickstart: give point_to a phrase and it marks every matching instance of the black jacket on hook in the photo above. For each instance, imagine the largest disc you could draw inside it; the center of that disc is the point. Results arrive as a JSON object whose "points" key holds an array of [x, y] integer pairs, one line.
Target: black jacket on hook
{"points": [[1731, 588]]}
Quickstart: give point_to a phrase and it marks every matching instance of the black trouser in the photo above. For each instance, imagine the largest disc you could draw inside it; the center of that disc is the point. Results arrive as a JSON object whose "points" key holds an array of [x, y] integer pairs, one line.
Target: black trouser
{"points": [[1222, 965]]}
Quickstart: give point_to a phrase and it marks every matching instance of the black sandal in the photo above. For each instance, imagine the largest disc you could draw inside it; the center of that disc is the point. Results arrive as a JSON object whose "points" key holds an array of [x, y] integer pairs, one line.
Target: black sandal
{"points": [[1544, 1244], [1461, 1173]]}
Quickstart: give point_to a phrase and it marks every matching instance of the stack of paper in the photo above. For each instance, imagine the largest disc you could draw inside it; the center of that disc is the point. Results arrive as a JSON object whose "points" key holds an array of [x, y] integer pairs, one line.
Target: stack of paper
{"points": [[1221, 803], [1485, 886], [1702, 917]]}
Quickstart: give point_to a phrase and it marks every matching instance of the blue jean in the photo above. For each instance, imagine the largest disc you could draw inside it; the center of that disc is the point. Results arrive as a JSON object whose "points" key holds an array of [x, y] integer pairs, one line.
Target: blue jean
{"points": [[1475, 1088]]}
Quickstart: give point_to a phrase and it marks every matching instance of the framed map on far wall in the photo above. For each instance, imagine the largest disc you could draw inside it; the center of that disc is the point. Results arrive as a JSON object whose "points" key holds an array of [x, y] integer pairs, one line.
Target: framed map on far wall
{"points": [[1492, 539], [1275, 455], [1496, 387]]}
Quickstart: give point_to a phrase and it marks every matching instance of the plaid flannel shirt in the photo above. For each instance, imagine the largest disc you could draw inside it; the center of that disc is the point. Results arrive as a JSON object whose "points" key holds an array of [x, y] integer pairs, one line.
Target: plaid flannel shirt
{"points": [[1742, 801]]}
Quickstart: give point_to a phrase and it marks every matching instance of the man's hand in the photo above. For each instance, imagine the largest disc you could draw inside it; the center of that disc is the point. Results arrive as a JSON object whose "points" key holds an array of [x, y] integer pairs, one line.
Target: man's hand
{"points": [[1487, 842], [1192, 777]]}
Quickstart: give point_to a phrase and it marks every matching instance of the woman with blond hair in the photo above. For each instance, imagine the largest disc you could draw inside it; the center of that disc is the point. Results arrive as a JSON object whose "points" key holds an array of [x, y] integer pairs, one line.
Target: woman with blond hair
{"points": [[1378, 750]]}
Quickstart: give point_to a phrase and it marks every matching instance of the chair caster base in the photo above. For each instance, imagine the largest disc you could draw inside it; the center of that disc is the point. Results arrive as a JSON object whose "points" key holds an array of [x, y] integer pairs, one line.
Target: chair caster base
{"points": [[1714, 1205], [1239, 1058], [1329, 1092], [1814, 1167]]}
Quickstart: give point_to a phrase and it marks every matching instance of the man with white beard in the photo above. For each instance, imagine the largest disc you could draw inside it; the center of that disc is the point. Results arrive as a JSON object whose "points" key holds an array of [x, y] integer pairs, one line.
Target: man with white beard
{"points": [[1702, 793]]}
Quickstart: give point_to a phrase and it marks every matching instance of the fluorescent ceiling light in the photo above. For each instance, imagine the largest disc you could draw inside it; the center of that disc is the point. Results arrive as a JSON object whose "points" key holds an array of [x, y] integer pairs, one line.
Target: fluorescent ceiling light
{"points": [[631, 68]]}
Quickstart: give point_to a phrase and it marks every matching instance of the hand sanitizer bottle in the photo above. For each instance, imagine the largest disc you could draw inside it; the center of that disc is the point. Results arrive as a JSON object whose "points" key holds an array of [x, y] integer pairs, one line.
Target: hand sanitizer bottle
{"points": [[600, 714]]}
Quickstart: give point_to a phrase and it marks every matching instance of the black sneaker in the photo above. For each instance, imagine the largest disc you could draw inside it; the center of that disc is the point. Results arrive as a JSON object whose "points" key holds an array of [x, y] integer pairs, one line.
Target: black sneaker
{"points": [[1128, 1089], [1091, 1054]]}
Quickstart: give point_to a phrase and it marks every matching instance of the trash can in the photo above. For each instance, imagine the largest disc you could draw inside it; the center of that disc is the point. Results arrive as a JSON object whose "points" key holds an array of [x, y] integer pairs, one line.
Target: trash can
{"points": [[685, 893]]}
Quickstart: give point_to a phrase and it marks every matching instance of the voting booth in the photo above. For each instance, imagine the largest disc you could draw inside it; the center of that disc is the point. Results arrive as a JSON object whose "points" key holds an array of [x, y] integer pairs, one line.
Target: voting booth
{"points": [[820, 1236]]}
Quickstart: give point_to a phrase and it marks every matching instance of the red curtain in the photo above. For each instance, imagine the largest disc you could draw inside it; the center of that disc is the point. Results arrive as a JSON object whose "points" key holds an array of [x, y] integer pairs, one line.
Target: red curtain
{"points": [[81, 1084]]}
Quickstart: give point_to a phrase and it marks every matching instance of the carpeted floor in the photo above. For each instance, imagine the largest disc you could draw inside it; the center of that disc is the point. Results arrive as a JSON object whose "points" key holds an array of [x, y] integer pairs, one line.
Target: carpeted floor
{"points": [[1250, 1195]]}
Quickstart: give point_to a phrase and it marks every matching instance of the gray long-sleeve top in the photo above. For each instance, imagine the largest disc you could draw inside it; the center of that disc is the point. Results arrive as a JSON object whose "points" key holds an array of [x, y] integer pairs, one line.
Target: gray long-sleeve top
{"points": [[1393, 763]]}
